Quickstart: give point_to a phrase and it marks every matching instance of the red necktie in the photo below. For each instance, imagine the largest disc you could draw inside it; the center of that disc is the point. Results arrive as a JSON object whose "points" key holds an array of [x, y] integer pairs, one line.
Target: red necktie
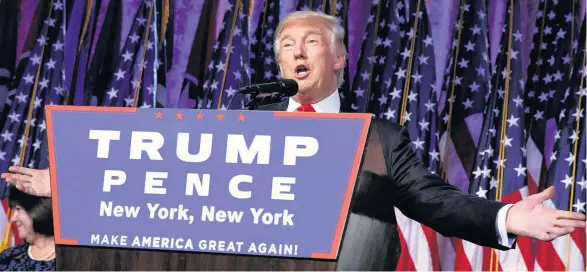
{"points": [[306, 108]]}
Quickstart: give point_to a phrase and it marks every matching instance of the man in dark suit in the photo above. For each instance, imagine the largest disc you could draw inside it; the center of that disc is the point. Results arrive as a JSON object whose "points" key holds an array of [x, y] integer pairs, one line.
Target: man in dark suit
{"points": [[309, 49]]}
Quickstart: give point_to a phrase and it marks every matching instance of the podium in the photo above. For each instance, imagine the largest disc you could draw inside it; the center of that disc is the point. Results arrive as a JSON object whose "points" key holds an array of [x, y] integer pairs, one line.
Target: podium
{"points": [[74, 258], [181, 189]]}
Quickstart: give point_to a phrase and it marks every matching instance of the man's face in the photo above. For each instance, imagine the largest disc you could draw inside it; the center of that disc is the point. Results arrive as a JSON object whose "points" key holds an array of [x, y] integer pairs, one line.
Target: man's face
{"points": [[306, 56]]}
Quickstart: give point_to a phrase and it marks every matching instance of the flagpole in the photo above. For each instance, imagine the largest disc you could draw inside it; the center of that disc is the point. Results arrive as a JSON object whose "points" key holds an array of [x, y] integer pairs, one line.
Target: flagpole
{"points": [[6, 240], [577, 126], [164, 21], [262, 35], [452, 90], [372, 62], [501, 164], [144, 52], [574, 171], [409, 70], [538, 66], [229, 46], [333, 10], [87, 18], [89, 6]]}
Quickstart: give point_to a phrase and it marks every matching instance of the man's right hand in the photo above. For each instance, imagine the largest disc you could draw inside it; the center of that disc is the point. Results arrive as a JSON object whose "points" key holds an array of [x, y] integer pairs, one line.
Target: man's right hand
{"points": [[31, 181]]}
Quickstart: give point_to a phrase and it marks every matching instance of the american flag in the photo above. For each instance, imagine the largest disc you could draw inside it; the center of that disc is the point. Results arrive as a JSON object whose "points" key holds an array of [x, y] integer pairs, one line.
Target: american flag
{"points": [[320, 5], [499, 170], [465, 87], [566, 171], [372, 89], [22, 137], [554, 37], [418, 95], [265, 67], [133, 83], [8, 36], [263, 62], [413, 100], [229, 68]]}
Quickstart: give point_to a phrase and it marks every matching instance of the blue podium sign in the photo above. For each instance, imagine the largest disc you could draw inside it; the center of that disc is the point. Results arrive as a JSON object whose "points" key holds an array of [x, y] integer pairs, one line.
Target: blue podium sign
{"points": [[236, 182]]}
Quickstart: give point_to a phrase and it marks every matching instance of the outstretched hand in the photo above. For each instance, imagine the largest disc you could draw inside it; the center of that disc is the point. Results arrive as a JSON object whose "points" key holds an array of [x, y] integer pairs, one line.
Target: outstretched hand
{"points": [[530, 218], [31, 181]]}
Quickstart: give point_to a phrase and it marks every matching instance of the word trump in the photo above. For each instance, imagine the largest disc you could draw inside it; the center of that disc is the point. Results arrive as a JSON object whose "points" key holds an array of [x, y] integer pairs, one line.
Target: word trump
{"points": [[149, 143]]}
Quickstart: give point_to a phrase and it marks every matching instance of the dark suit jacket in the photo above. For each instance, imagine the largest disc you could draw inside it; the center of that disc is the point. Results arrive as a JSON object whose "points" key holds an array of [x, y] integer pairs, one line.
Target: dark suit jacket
{"points": [[393, 176]]}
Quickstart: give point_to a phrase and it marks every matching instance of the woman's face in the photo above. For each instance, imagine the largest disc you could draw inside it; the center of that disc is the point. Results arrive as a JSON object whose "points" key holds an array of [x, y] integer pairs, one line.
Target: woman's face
{"points": [[23, 222]]}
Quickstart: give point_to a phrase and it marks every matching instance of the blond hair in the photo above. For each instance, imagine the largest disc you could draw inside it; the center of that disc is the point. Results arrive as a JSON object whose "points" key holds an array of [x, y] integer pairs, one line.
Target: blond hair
{"points": [[336, 36]]}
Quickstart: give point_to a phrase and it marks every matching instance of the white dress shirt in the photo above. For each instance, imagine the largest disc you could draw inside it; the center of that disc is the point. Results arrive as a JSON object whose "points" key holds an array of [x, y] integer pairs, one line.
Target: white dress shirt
{"points": [[331, 104]]}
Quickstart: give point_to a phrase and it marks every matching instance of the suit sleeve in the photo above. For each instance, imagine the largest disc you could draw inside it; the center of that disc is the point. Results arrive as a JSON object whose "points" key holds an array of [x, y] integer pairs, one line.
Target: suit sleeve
{"points": [[428, 199]]}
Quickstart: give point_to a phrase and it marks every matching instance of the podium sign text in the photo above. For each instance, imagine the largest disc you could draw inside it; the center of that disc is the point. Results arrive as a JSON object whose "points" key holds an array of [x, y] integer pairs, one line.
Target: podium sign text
{"points": [[237, 182]]}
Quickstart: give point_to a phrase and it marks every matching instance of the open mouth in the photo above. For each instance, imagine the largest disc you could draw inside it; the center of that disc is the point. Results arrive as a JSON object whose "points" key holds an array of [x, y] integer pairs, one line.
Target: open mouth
{"points": [[302, 71]]}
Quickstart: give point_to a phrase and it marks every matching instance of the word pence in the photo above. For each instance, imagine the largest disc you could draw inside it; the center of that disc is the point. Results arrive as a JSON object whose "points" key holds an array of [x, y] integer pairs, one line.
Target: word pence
{"points": [[200, 184]]}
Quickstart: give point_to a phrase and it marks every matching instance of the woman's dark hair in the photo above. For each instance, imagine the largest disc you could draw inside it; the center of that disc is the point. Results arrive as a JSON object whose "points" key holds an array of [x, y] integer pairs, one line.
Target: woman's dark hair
{"points": [[40, 210]]}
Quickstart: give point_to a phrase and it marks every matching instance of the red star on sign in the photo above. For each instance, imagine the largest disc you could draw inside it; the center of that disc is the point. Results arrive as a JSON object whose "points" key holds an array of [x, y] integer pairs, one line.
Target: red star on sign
{"points": [[159, 115], [220, 116], [179, 116], [241, 117], [200, 116]]}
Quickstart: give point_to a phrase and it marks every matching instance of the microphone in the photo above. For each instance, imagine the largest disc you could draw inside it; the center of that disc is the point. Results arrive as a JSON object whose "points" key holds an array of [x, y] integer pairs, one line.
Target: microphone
{"points": [[287, 87]]}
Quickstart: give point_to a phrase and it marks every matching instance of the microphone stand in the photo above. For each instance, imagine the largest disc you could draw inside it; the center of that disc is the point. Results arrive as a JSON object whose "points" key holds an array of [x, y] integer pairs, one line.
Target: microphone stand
{"points": [[253, 104], [255, 101], [259, 93], [265, 98]]}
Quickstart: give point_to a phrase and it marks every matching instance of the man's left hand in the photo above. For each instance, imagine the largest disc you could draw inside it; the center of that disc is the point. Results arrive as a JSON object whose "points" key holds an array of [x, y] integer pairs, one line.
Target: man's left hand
{"points": [[31, 181], [531, 218]]}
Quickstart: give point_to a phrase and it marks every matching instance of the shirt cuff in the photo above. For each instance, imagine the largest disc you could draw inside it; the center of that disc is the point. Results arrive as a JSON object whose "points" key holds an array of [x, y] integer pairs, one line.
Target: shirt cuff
{"points": [[503, 238]]}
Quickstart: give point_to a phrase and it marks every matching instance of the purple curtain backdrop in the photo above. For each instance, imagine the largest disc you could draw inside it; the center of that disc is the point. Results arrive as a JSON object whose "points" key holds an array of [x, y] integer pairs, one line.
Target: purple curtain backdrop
{"points": [[187, 15]]}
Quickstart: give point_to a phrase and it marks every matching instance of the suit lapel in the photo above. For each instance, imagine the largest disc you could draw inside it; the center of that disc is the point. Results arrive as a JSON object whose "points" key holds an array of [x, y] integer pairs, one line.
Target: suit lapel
{"points": [[275, 106]]}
